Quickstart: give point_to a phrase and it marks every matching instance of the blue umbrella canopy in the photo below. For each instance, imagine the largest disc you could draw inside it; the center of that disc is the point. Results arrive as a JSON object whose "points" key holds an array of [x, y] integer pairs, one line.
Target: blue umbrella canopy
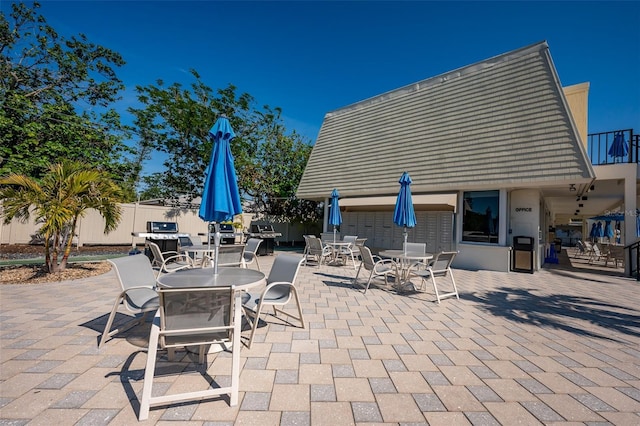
{"points": [[404, 214], [615, 217], [608, 230], [220, 196], [619, 147], [335, 218]]}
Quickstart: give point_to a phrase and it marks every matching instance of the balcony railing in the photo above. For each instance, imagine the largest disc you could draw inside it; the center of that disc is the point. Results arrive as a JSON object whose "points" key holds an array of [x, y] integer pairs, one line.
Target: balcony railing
{"points": [[608, 147]]}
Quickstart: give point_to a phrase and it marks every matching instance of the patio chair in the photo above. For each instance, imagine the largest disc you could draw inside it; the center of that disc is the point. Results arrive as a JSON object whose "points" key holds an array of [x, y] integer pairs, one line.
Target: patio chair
{"points": [[615, 254], [279, 291], [580, 249], [200, 317], [595, 254], [137, 292], [438, 267], [251, 253], [228, 255], [356, 248], [169, 261], [377, 267], [415, 247], [306, 244], [317, 252], [347, 252]]}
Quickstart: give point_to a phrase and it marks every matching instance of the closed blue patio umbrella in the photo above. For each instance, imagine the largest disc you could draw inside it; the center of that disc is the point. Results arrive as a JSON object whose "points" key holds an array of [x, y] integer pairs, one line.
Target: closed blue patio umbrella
{"points": [[220, 196], [335, 218], [608, 230], [619, 147], [404, 214]]}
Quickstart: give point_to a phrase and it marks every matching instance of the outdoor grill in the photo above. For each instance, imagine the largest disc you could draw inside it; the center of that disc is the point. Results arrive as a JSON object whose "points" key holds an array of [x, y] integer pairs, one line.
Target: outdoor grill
{"points": [[164, 234], [267, 234], [227, 234]]}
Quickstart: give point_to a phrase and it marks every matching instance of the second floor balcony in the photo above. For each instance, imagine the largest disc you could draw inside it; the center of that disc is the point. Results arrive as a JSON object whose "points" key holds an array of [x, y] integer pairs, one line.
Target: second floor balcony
{"points": [[614, 147]]}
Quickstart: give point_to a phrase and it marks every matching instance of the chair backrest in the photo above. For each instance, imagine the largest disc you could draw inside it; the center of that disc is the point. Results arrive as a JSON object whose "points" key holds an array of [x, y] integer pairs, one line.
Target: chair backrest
{"points": [[350, 239], [158, 258], [367, 258], [441, 263], [195, 316], [134, 271], [285, 269], [315, 245], [231, 254], [415, 247], [596, 249], [328, 236], [251, 248], [360, 242]]}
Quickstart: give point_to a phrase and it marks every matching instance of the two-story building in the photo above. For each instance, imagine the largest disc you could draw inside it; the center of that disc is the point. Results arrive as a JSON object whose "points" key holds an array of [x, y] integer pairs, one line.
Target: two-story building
{"points": [[496, 149]]}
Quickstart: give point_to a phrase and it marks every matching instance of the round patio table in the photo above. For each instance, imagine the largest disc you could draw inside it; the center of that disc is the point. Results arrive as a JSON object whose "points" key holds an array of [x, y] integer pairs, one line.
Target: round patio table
{"points": [[241, 278], [406, 259]]}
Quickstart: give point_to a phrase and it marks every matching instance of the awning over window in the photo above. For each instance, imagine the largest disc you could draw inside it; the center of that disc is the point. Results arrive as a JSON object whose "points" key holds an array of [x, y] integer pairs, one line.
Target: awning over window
{"points": [[418, 200]]}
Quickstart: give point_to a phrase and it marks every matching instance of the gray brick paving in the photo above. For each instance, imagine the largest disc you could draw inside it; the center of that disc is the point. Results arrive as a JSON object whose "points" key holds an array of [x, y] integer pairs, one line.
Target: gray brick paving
{"points": [[557, 346]]}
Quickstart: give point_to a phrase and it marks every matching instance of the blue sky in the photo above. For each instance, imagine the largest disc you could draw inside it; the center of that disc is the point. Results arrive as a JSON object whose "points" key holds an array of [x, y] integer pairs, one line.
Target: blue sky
{"points": [[313, 57]]}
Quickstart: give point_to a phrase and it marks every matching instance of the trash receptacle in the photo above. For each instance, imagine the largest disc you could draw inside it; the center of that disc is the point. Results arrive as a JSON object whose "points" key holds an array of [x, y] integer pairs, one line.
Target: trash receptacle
{"points": [[523, 248]]}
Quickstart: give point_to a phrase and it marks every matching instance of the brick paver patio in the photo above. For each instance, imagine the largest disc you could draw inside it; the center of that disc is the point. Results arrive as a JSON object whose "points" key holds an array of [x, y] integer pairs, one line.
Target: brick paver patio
{"points": [[557, 346]]}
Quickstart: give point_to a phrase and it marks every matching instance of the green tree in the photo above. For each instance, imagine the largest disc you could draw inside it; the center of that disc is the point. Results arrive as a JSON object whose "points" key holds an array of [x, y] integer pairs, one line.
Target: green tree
{"points": [[269, 161], [55, 97], [58, 201]]}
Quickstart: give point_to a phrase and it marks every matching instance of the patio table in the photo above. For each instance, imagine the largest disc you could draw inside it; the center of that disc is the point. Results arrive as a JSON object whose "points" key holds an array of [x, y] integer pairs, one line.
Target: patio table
{"points": [[242, 280], [336, 249], [406, 259]]}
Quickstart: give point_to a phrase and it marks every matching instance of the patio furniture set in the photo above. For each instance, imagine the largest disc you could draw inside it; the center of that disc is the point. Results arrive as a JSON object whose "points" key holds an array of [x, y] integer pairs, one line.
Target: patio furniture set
{"points": [[196, 309], [401, 266], [593, 252]]}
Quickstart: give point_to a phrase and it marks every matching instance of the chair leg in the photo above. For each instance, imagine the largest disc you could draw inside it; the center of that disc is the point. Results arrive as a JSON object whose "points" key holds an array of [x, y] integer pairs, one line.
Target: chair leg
{"points": [[300, 317], [435, 288], [106, 333], [149, 370], [235, 355], [124, 327], [368, 282], [355, 280], [256, 320]]}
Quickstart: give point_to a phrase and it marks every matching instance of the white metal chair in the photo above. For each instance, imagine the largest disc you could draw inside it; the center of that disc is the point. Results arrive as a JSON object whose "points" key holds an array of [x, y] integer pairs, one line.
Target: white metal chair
{"points": [[347, 252], [377, 267], [169, 261], [279, 291], [137, 292], [595, 254], [440, 267], [228, 255], [316, 252], [415, 247], [251, 252], [194, 317]]}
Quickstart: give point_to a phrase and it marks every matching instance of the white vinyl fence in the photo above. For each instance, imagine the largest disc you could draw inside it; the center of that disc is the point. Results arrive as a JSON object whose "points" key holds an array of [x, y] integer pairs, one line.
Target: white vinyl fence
{"points": [[90, 229], [134, 219]]}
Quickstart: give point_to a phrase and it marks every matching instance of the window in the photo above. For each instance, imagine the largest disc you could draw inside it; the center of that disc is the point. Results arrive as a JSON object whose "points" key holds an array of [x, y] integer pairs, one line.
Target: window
{"points": [[480, 216]]}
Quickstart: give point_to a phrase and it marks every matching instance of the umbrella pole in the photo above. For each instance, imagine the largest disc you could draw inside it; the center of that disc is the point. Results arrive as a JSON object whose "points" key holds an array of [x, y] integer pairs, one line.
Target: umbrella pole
{"points": [[405, 240], [216, 241], [334, 233]]}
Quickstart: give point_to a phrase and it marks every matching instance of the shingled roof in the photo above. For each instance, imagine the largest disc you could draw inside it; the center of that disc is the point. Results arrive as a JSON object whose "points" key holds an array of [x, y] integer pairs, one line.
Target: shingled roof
{"points": [[500, 123]]}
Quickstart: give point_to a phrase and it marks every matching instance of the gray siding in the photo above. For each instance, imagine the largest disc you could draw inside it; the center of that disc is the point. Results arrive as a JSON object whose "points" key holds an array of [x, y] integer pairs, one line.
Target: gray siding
{"points": [[433, 228], [503, 122]]}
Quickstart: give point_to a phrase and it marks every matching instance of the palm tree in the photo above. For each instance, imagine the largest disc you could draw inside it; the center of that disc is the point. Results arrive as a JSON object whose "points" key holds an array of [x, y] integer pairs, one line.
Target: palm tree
{"points": [[58, 201]]}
